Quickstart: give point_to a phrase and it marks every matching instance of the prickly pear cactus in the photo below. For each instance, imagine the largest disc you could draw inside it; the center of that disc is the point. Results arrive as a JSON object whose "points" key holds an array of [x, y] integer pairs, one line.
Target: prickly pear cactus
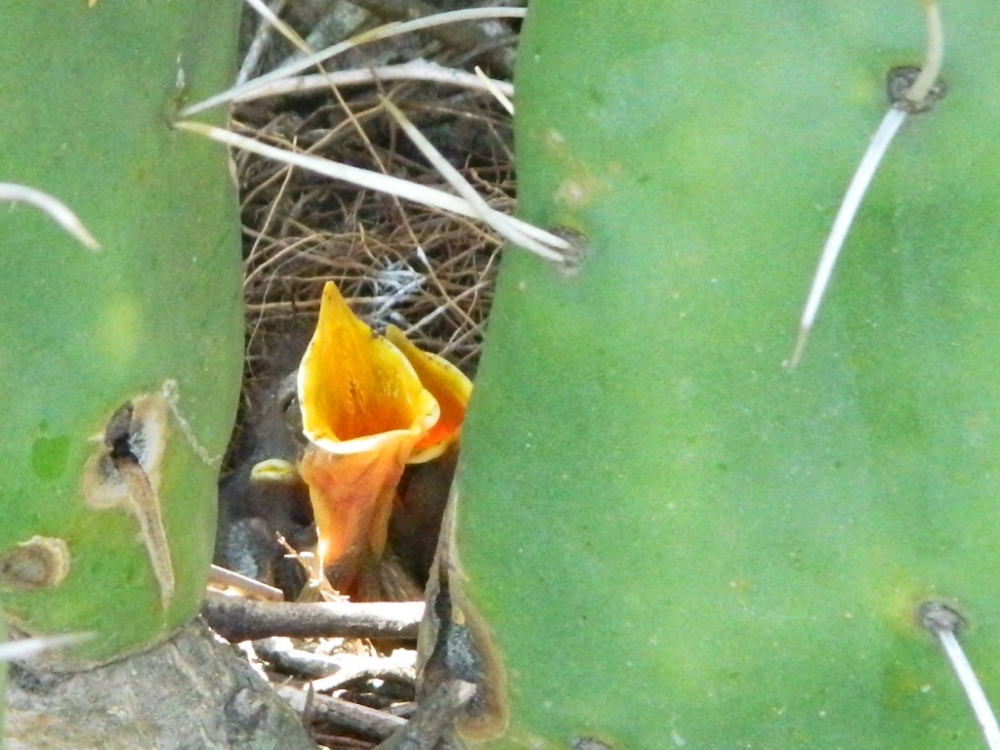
{"points": [[3, 680], [119, 368], [674, 539]]}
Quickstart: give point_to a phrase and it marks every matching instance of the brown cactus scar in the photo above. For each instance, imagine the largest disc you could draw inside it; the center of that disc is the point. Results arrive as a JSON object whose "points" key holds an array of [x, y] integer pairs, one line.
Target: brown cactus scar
{"points": [[124, 472], [455, 644], [39, 563]]}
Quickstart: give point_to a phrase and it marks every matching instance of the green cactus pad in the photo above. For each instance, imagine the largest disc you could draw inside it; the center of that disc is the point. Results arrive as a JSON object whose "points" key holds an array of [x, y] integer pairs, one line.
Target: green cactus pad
{"points": [[675, 540], [119, 369]]}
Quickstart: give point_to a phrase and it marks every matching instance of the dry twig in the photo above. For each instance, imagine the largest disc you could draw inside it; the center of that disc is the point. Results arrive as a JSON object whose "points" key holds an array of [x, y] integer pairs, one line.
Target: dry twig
{"points": [[367, 721], [242, 620]]}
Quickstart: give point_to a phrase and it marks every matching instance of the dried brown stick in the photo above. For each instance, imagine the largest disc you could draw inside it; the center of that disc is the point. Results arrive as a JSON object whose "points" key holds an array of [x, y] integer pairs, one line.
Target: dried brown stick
{"points": [[329, 672], [340, 742], [242, 620], [366, 671], [352, 716], [279, 653], [432, 720]]}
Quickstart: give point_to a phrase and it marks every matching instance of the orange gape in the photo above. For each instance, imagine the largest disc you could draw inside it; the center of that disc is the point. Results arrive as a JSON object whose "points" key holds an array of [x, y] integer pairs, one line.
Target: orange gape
{"points": [[370, 404], [352, 496]]}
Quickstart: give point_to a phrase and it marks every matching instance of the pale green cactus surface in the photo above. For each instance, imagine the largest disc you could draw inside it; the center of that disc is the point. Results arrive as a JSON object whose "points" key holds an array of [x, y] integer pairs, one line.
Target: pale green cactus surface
{"points": [[120, 368], [675, 540]]}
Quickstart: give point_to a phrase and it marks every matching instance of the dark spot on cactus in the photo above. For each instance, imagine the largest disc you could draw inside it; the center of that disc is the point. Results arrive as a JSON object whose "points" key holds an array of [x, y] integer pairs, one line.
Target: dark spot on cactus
{"points": [[118, 434], [589, 743], [939, 618], [124, 473], [899, 81], [39, 563], [579, 249]]}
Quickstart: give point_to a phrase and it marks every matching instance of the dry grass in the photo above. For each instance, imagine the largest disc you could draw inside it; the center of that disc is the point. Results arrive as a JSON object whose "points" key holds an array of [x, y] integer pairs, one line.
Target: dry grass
{"points": [[427, 272]]}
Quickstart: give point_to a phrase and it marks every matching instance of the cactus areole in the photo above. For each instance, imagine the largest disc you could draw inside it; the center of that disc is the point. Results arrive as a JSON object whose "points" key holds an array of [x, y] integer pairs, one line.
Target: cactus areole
{"points": [[119, 368], [675, 539]]}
